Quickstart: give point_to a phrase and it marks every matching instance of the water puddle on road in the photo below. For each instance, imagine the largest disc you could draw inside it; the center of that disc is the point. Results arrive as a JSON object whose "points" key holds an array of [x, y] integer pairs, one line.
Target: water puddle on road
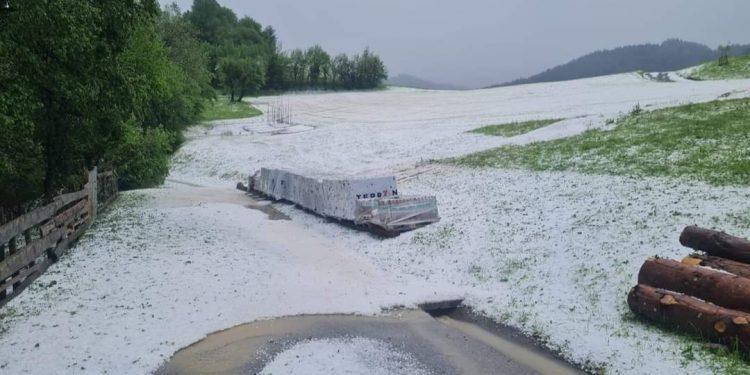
{"points": [[444, 345]]}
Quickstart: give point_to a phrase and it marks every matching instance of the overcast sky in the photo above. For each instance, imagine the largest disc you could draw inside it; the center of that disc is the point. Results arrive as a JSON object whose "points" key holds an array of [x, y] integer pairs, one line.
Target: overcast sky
{"points": [[481, 42]]}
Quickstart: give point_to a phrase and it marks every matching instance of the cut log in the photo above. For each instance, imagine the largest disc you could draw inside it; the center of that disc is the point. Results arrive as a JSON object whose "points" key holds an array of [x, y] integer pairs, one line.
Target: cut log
{"points": [[731, 266], [691, 315], [716, 243], [718, 287]]}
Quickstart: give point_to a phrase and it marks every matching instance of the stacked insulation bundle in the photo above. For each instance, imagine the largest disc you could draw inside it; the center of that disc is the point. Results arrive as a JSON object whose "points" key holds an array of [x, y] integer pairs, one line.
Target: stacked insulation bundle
{"points": [[373, 201]]}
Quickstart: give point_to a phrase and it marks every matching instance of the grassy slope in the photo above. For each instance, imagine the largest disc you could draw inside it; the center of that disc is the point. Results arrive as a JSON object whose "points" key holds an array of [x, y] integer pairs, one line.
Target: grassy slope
{"points": [[222, 109], [514, 128], [738, 68], [708, 142]]}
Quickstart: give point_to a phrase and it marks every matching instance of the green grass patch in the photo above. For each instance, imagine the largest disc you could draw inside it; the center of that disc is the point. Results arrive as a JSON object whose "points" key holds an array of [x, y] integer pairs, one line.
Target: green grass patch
{"points": [[223, 109], [514, 128], [708, 142], [737, 68], [730, 360]]}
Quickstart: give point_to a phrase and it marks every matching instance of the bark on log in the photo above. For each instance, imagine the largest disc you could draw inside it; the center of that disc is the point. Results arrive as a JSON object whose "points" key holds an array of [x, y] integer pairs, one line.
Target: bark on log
{"points": [[691, 315], [718, 287], [716, 243], [731, 266]]}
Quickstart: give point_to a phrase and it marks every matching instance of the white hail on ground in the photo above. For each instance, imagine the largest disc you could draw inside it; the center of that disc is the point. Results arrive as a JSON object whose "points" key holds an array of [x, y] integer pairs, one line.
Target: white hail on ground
{"points": [[371, 132], [551, 253], [354, 356]]}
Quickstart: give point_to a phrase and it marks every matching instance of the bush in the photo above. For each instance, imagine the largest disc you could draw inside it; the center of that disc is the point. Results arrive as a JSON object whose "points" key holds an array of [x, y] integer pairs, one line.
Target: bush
{"points": [[20, 175], [142, 157], [724, 55]]}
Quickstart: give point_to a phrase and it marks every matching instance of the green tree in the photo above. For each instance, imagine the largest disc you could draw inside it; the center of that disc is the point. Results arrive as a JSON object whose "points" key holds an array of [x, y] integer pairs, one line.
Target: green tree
{"points": [[318, 65], [186, 51], [370, 70], [213, 22], [241, 76], [277, 63], [343, 71], [142, 156], [298, 68], [64, 58], [21, 178], [277, 71]]}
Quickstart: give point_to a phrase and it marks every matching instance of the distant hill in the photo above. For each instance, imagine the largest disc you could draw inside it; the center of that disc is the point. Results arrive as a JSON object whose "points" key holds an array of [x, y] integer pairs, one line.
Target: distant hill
{"points": [[672, 54], [407, 80]]}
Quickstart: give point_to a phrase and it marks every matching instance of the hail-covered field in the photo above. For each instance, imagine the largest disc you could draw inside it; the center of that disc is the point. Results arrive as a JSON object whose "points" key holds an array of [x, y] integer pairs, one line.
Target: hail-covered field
{"points": [[371, 132], [552, 253]]}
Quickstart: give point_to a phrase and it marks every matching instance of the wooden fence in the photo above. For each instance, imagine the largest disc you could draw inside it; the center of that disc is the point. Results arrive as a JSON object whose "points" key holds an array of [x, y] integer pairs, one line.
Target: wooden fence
{"points": [[34, 240]]}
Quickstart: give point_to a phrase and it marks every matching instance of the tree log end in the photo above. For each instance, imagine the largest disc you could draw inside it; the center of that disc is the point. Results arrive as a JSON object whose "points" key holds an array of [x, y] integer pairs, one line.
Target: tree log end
{"points": [[720, 326], [691, 261]]}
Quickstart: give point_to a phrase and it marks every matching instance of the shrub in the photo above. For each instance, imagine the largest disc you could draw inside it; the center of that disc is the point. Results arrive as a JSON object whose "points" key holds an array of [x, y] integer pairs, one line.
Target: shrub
{"points": [[20, 158], [142, 157], [637, 110], [724, 55]]}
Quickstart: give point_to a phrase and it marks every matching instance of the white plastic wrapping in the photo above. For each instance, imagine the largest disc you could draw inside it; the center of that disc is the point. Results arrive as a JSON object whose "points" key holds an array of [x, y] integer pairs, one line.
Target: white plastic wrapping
{"points": [[336, 198], [360, 200], [398, 213]]}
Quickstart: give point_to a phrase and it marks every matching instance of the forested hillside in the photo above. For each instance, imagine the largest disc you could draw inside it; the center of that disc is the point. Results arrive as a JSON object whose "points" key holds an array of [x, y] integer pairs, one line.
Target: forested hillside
{"points": [[673, 54], [112, 83]]}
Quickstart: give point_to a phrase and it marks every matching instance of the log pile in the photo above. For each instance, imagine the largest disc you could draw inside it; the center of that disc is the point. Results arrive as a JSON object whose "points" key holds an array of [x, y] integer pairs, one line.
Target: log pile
{"points": [[707, 293]]}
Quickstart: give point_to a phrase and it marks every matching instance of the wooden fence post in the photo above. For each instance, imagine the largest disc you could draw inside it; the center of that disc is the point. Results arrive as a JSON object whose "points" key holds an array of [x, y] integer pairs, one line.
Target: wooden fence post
{"points": [[93, 181]]}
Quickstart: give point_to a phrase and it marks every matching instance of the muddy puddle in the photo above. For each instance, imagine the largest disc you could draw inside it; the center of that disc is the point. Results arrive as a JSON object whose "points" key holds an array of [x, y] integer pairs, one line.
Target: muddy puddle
{"points": [[446, 344], [268, 209], [188, 193]]}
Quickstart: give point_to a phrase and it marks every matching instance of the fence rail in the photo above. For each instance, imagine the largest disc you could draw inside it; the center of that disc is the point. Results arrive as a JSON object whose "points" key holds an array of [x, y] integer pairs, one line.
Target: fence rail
{"points": [[34, 240]]}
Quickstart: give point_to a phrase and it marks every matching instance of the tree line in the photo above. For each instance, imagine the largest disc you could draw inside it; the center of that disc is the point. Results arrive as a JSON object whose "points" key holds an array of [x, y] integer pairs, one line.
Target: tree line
{"points": [[247, 58], [112, 83]]}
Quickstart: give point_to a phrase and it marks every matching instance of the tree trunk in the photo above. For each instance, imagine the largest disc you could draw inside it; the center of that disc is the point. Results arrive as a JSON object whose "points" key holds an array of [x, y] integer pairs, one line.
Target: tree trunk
{"points": [[721, 288], [716, 243], [731, 266], [691, 315]]}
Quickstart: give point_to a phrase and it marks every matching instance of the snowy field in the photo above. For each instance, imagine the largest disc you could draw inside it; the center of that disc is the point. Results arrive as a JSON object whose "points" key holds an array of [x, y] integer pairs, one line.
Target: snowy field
{"points": [[163, 268], [551, 253], [371, 132], [555, 254]]}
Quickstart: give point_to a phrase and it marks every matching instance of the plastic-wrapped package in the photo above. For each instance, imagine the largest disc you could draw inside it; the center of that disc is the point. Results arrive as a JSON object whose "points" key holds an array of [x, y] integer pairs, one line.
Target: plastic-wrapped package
{"points": [[398, 214], [362, 201]]}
